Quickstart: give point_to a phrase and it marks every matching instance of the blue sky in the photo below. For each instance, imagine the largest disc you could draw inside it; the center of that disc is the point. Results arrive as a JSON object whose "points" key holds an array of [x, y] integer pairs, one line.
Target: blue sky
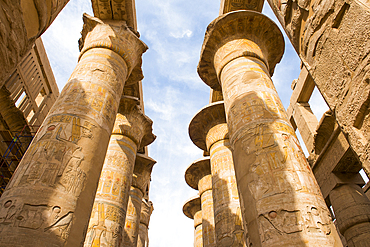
{"points": [[173, 93]]}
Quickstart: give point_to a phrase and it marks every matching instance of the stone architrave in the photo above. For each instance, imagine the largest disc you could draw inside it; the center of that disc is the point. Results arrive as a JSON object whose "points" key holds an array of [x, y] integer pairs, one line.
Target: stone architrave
{"points": [[50, 196], [208, 131], [141, 178], [284, 203], [233, 5], [198, 176], [132, 130], [193, 210], [352, 212], [146, 212], [22, 22]]}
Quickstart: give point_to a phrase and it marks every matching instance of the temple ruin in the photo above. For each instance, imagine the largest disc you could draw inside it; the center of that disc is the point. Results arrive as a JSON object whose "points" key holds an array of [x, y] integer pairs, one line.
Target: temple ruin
{"points": [[76, 166]]}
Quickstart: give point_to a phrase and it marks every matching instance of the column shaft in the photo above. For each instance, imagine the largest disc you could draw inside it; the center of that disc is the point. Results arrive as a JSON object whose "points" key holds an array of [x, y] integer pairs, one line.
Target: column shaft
{"points": [[352, 212], [49, 199], [284, 203], [65, 157], [132, 223], [146, 212], [198, 231], [113, 194], [208, 222], [228, 220]]}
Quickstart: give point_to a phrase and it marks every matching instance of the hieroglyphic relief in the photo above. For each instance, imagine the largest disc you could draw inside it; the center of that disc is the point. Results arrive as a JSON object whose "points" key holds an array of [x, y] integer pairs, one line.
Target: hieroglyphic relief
{"points": [[36, 217], [55, 158], [277, 164], [274, 224], [105, 227]]}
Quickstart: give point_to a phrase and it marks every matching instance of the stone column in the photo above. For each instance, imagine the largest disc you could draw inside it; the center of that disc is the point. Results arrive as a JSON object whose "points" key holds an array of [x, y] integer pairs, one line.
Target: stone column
{"points": [[50, 196], [352, 212], [192, 209], [146, 212], [198, 176], [132, 130], [284, 203], [208, 130], [141, 177]]}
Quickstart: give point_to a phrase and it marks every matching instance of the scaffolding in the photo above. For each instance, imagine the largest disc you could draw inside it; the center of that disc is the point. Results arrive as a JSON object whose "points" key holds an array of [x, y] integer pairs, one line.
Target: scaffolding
{"points": [[17, 145]]}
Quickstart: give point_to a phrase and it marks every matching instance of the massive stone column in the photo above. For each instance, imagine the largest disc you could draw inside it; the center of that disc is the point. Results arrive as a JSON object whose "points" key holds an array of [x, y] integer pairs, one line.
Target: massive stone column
{"points": [[284, 205], [193, 210], [198, 176], [49, 198], [22, 22], [132, 130], [208, 130], [141, 177], [146, 212], [352, 212]]}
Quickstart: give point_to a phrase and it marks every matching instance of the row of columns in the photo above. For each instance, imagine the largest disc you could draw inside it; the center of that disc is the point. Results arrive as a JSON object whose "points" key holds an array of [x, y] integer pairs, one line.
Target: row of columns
{"points": [[51, 195], [281, 202]]}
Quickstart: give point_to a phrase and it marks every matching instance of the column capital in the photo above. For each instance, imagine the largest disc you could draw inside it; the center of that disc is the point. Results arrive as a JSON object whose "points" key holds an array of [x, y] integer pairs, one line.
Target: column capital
{"points": [[146, 211], [192, 206], [114, 35], [236, 34], [209, 125], [132, 122], [196, 171], [142, 171]]}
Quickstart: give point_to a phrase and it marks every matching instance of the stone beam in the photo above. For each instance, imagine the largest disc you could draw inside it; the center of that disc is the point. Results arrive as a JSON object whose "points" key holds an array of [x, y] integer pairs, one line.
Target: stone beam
{"points": [[233, 5], [116, 10]]}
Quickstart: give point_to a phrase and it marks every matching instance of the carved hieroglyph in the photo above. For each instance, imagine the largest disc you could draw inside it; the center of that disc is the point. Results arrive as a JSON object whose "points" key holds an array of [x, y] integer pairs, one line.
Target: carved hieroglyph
{"points": [[198, 176], [49, 198], [208, 130], [146, 212], [141, 178], [193, 210], [283, 203], [22, 22], [332, 39], [130, 128]]}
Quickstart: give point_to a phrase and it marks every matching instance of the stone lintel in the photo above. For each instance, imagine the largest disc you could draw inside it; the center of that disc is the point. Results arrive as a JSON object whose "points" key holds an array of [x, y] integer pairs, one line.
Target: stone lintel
{"points": [[196, 171], [132, 122], [208, 117], [258, 35], [336, 160], [192, 206], [114, 35], [302, 88], [142, 171], [230, 5], [215, 96], [116, 10]]}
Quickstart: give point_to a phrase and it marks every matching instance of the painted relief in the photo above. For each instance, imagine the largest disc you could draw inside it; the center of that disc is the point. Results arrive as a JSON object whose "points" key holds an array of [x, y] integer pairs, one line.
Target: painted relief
{"points": [[105, 226], [55, 157]]}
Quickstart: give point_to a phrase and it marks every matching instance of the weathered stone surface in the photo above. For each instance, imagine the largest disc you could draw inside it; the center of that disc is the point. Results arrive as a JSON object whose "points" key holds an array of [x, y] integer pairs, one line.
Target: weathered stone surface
{"points": [[62, 166], [333, 43], [146, 212], [112, 195], [352, 212], [193, 210], [198, 176], [116, 10], [253, 34], [273, 176], [140, 180], [208, 128], [233, 5], [22, 22]]}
